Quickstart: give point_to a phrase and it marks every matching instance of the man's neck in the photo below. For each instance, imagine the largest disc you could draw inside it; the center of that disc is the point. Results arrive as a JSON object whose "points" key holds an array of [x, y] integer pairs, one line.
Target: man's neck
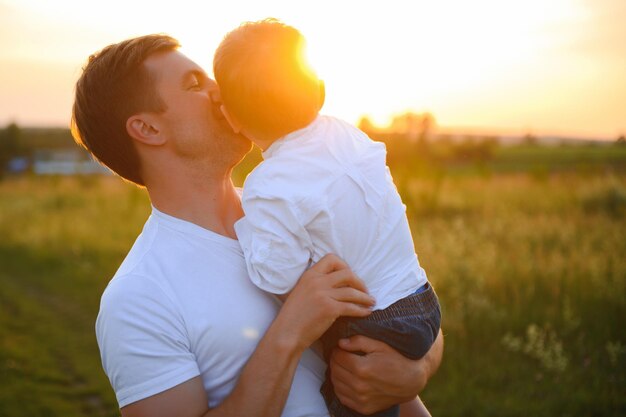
{"points": [[212, 202]]}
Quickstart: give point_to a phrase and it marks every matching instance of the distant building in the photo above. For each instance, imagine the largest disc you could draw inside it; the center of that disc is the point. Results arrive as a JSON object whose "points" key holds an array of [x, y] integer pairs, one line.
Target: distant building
{"points": [[18, 165], [65, 162]]}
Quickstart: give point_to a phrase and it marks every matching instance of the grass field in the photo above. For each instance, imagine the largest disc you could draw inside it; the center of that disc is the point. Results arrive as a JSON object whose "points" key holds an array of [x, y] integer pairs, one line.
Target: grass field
{"points": [[530, 269]]}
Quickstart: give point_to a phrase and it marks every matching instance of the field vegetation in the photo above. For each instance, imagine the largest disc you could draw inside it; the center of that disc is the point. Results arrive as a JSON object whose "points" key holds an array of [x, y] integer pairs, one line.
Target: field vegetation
{"points": [[526, 249]]}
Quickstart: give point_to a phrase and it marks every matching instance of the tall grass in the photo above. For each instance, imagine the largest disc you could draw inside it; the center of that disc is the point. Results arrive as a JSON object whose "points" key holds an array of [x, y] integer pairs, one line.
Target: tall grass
{"points": [[532, 280], [530, 271]]}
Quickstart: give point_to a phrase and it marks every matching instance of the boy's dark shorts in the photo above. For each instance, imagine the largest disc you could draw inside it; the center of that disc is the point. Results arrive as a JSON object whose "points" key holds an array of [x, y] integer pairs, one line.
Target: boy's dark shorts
{"points": [[410, 326]]}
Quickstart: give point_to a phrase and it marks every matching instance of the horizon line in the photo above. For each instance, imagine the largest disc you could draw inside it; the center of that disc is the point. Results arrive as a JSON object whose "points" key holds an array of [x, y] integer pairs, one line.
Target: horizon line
{"points": [[437, 130]]}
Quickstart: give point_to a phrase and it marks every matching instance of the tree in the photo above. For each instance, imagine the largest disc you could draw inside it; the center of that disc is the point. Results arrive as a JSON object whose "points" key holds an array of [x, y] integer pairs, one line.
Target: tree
{"points": [[366, 125], [530, 139], [9, 145], [415, 127]]}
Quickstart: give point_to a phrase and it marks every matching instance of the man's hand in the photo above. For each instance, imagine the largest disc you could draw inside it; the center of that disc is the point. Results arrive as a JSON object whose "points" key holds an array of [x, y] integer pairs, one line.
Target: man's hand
{"points": [[382, 377], [328, 290]]}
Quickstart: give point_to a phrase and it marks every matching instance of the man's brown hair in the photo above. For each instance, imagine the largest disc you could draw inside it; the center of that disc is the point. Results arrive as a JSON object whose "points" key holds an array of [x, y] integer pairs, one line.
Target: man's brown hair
{"points": [[263, 79], [113, 86]]}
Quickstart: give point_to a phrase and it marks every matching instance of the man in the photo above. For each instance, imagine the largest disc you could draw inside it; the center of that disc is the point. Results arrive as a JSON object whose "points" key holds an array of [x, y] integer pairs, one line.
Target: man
{"points": [[182, 331]]}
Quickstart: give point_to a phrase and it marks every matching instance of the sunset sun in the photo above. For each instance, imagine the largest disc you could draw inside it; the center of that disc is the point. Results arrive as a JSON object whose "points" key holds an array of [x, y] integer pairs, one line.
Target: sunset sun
{"points": [[504, 65]]}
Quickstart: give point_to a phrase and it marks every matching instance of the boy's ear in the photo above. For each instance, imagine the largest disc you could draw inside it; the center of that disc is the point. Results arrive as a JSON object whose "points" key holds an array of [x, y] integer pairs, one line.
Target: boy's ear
{"points": [[234, 124], [144, 128], [322, 97]]}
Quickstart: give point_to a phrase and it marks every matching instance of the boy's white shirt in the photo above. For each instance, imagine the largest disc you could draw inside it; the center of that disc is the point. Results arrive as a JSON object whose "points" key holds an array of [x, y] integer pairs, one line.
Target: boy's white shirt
{"points": [[326, 189]]}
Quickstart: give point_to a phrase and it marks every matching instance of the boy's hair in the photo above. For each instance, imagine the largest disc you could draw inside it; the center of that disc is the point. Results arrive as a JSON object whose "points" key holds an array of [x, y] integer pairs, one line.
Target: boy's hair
{"points": [[113, 86], [264, 80]]}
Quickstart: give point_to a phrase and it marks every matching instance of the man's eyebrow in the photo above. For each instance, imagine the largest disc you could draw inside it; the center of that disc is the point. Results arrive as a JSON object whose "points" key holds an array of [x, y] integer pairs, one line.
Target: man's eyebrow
{"points": [[196, 73]]}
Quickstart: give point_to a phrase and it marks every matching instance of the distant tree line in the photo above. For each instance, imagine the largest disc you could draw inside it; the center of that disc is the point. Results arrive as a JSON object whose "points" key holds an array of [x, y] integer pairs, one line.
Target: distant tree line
{"points": [[412, 144], [9, 146], [411, 140], [19, 146]]}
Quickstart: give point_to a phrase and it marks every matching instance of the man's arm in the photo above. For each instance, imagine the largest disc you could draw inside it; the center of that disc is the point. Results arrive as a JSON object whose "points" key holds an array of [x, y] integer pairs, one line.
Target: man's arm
{"points": [[382, 377], [326, 291]]}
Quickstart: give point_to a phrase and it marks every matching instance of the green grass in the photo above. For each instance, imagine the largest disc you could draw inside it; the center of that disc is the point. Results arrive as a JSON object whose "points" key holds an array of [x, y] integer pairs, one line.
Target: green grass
{"points": [[62, 240], [530, 271], [542, 159]]}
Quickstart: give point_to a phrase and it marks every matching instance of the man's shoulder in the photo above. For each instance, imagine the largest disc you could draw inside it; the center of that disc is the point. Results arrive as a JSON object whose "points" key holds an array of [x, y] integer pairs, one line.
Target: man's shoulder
{"points": [[154, 246], [133, 279], [130, 289]]}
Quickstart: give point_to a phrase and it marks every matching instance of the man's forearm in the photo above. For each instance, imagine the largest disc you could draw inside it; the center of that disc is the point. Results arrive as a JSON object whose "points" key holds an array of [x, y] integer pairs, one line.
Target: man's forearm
{"points": [[261, 390], [264, 384], [325, 292]]}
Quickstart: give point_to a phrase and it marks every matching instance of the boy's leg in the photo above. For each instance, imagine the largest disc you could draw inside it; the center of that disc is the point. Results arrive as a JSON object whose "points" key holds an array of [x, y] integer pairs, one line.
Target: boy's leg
{"points": [[415, 408], [409, 326]]}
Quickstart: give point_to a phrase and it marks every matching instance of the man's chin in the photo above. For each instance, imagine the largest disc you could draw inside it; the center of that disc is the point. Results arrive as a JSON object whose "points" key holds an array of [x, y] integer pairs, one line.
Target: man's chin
{"points": [[242, 142]]}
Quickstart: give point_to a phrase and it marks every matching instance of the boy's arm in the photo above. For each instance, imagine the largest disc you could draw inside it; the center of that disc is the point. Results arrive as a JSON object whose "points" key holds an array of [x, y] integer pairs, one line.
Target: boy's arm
{"points": [[276, 245], [382, 377], [326, 291]]}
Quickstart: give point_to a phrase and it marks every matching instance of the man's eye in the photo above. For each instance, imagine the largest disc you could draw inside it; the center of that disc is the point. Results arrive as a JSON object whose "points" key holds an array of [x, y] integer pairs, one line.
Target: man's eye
{"points": [[196, 84]]}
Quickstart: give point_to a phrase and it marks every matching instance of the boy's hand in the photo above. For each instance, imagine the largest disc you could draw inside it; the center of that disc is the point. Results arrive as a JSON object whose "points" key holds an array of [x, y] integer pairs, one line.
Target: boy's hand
{"points": [[383, 376]]}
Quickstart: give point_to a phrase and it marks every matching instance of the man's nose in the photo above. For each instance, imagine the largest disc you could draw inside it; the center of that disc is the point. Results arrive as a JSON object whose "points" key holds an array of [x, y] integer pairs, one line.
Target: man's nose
{"points": [[214, 93]]}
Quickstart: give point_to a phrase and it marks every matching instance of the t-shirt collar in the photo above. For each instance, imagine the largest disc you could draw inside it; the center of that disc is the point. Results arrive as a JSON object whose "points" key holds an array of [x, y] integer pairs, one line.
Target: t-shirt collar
{"points": [[191, 228]]}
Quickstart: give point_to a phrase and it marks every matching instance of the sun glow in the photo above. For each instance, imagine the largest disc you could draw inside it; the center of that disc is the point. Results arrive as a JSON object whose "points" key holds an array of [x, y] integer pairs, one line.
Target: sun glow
{"points": [[492, 63], [432, 54]]}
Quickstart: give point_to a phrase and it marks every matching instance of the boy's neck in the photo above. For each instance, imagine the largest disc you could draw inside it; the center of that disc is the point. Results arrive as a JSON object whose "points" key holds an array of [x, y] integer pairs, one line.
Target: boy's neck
{"points": [[264, 145], [265, 140], [261, 140]]}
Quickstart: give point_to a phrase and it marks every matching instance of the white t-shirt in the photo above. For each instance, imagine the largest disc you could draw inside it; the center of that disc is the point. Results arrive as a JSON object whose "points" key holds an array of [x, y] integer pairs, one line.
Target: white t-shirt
{"points": [[182, 305], [327, 189]]}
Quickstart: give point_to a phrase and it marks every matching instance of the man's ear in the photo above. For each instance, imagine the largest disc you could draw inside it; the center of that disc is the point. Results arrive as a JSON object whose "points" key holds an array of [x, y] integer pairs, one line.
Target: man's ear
{"points": [[322, 97], [144, 128], [234, 124]]}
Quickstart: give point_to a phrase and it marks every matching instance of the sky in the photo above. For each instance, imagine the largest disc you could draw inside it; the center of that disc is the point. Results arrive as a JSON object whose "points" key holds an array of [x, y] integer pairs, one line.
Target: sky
{"points": [[546, 67]]}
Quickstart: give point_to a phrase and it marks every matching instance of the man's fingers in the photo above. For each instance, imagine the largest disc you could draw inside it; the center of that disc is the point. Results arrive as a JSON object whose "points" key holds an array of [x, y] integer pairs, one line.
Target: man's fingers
{"points": [[360, 343], [344, 392], [337, 273], [339, 372], [345, 278], [351, 295], [357, 398], [344, 361], [354, 310], [329, 263]]}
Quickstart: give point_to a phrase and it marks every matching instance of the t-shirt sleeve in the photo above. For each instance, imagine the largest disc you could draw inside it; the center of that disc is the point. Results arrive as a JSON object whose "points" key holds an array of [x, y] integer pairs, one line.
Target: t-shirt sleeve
{"points": [[276, 245], [142, 340]]}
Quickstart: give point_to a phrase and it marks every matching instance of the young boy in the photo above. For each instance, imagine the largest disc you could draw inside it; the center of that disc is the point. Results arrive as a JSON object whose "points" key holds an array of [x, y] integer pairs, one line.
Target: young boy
{"points": [[323, 187]]}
